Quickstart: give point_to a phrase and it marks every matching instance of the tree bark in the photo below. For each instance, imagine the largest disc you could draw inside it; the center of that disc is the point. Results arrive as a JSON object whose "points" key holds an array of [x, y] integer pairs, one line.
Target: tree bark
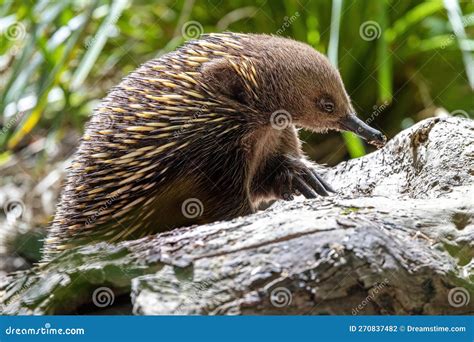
{"points": [[397, 239]]}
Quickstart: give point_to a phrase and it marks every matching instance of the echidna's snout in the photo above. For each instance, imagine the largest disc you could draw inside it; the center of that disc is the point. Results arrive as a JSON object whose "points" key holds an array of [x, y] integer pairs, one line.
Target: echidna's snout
{"points": [[353, 124]]}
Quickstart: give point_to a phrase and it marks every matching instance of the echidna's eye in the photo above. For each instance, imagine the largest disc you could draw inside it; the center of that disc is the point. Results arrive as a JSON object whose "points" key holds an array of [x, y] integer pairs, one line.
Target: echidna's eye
{"points": [[326, 105], [329, 107]]}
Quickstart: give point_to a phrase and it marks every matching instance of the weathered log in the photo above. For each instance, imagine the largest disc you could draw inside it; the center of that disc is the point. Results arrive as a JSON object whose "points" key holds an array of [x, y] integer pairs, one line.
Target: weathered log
{"points": [[397, 239]]}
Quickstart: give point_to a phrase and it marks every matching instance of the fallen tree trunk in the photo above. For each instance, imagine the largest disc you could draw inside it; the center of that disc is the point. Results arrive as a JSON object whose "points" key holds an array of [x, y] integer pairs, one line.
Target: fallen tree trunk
{"points": [[397, 239]]}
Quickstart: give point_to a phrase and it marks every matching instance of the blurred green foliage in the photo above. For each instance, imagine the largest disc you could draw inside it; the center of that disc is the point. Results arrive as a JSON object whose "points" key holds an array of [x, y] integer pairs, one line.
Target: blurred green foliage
{"points": [[400, 60]]}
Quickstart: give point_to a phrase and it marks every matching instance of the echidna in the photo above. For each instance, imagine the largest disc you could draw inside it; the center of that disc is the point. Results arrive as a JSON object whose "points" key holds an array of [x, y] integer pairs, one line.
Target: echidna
{"points": [[204, 133]]}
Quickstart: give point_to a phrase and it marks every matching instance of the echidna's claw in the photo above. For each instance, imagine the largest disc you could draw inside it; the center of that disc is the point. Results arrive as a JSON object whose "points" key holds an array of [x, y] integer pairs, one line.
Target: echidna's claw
{"points": [[313, 181], [300, 185], [309, 183], [326, 186]]}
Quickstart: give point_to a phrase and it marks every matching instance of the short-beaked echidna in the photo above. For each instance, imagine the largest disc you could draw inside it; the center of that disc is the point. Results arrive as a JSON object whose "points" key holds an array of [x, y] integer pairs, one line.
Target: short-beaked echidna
{"points": [[204, 133]]}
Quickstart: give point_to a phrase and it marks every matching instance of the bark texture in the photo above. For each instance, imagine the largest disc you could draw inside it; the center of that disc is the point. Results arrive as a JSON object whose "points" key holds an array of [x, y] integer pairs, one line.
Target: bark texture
{"points": [[397, 239]]}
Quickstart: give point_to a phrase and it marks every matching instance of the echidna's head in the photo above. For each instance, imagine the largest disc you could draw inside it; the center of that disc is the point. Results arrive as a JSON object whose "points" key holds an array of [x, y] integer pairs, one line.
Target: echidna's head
{"points": [[287, 81]]}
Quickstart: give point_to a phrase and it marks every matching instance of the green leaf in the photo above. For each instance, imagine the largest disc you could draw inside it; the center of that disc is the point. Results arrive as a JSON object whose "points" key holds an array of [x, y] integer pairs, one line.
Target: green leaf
{"points": [[98, 43], [412, 17], [354, 144], [33, 118], [336, 13], [384, 57], [456, 20]]}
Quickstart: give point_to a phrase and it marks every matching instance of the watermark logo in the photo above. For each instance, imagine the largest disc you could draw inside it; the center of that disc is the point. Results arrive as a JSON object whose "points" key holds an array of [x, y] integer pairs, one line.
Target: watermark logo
{"points": [[370, 298], [13, 209], [108, 28], [15, 31], [12, 122], [287, 22], [370, 30], [103, 297], [280, 119], [110, 200], [458, 297], [196, 115], [377, 110], [446, 42], [280, 297], [192, 30], [192, 208]]}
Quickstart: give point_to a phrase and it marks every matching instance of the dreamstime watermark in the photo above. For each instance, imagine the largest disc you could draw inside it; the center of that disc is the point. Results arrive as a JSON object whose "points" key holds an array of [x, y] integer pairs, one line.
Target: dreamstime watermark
{"points": [[193, 292], [280, 297], [373, 293], [377, 110], [281, 119], [192, 30], [12, 122], [195, 115], [4, 302], [15, 31], [467, 21], [103, 297], [47, 329], [192, 208], [90, 220], [446, 42], [287, 22], [112, 22], [458, 296], [13, 209], [370, 30]]}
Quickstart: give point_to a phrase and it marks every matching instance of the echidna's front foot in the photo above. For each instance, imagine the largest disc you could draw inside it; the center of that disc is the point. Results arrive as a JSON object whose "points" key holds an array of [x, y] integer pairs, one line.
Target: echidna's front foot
{"points": [[309, 183], [286, 176]]}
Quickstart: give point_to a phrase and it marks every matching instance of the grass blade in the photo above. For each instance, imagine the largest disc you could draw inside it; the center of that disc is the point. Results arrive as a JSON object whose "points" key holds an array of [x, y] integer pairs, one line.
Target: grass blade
{"points": [[99, 41], [455, 18], [336, 13], [354, 144], [413, 17], [384, 57], [33, 118]]}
